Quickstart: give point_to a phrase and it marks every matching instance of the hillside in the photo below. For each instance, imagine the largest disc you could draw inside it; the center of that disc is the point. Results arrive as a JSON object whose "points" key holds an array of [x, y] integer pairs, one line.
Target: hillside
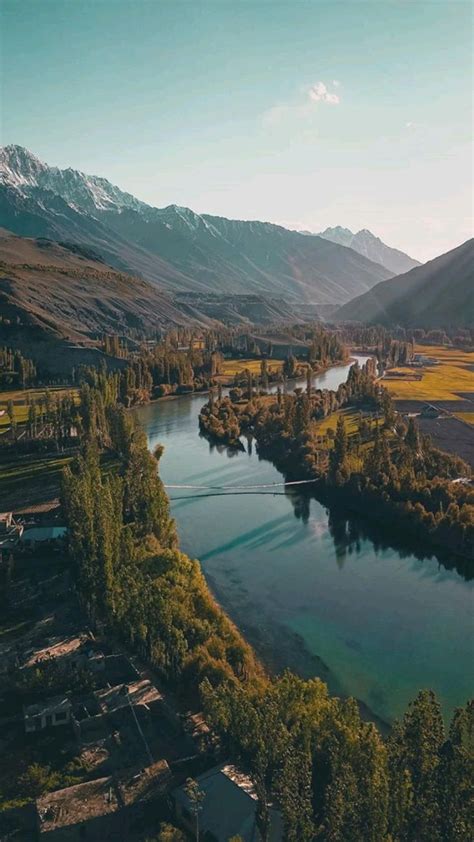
{"points": [[174, 247], [438, 294], [372, 247], [57, 300]]}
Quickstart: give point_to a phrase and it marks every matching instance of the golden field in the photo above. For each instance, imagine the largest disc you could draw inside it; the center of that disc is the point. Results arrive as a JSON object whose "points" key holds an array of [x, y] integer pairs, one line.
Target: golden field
{"points": [[20, 398], [440, 382], [351, 419], [468, 417], [230, 368]]}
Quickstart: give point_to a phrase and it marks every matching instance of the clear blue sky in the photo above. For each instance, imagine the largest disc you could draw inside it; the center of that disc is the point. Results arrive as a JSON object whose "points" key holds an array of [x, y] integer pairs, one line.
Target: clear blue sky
{"points": [[306, 114]]}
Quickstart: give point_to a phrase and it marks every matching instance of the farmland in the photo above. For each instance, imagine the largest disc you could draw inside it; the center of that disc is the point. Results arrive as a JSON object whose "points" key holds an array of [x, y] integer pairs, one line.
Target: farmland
{"points": [[21, 398], [450, 387], [229, 368], [448, 381]]}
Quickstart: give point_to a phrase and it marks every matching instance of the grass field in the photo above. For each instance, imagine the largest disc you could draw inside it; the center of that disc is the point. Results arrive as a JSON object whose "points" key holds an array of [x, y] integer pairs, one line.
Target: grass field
{"points": [[230, 368], [35, 478], [351, 418], [20, 397], [440, 382]]}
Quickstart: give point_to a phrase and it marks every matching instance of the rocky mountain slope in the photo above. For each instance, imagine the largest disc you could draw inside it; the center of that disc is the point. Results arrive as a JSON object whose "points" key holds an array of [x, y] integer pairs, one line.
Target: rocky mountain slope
{"points": [[438, 294], [173, 246]]}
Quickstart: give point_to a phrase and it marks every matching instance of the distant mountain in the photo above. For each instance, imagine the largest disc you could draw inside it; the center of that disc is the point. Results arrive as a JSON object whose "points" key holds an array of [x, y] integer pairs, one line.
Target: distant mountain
{"points": [[438, 294], [174, 247], [366, 243]]}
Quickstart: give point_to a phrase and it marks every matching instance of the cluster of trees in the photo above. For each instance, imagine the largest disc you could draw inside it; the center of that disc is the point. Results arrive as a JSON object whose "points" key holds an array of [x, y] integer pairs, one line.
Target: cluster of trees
{"points": [[130, 575], [15, 369], [276, 422], [335, 777], [386, 467], [410, 481], [372, 336], [51, 420]]}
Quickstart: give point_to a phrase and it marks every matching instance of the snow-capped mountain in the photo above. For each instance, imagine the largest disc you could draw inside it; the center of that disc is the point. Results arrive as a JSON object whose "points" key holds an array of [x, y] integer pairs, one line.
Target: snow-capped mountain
{"points": [[174, 246], [21, 169], [372, 247]]}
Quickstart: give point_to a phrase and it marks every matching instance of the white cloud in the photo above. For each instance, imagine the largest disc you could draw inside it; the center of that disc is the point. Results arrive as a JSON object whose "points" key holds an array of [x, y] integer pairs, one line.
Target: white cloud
{"points": [[320, 93], [302, 108]]}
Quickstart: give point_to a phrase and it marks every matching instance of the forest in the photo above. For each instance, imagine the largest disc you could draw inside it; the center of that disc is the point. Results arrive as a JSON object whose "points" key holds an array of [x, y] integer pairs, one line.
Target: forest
{"points": [[336, 777]]}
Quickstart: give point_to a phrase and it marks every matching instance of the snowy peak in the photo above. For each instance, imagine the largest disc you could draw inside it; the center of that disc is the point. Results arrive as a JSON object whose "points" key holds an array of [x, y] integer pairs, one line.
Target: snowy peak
{"points": [[372, 247], [20, 169]]}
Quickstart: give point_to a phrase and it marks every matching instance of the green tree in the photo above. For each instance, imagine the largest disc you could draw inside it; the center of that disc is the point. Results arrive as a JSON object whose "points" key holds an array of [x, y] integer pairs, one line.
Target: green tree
{"points": [[196, 797]]}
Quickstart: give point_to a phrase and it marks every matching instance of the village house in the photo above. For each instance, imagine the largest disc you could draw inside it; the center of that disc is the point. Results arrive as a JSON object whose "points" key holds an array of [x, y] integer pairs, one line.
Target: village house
{"points": [[228, 808], [103, 810], [48, 714], [429, 411]]}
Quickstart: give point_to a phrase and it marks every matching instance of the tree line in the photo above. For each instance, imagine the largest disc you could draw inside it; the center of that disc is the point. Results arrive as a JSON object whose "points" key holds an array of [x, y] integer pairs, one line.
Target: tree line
{"points": [[15, 369]]}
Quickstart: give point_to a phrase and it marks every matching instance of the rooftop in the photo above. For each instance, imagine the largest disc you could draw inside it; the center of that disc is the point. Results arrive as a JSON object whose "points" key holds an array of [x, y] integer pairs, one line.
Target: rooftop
{"points": [[145, 784], [51, 705], [141, 692], [76, 804], [57, 647], [83, 802], [230, 805]]}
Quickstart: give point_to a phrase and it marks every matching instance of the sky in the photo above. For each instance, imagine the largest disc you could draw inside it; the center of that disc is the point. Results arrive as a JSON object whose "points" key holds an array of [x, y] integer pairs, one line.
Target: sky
{"points": [[306, 114]]}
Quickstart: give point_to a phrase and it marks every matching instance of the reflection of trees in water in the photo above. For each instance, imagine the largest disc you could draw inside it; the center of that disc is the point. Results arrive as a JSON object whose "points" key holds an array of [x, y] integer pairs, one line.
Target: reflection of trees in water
{"points": [[300, 502], [348, 532], [224, 449]]}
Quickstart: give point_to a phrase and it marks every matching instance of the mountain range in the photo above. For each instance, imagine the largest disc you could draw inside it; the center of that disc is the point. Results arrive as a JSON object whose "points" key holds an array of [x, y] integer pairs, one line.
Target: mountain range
{"points": [[174, 247], [366, 243], [439, 294]]}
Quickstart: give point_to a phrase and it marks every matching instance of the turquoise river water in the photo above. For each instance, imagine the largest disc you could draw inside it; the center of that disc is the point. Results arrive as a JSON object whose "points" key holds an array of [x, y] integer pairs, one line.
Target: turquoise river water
{"points": [[321, 591]]}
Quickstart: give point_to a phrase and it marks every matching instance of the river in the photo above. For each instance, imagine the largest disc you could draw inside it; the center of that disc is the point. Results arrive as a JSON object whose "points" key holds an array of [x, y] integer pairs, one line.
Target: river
{"points": [[322, 592]]}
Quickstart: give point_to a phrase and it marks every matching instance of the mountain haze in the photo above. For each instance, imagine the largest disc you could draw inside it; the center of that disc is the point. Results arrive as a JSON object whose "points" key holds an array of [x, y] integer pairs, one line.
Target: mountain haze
{"points": [[372, 247], [175, 247], [438, 294]]}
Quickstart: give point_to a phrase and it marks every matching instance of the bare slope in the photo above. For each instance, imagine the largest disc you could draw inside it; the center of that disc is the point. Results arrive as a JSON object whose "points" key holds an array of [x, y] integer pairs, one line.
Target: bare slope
{"points": [[67, 292], [438, 294]]}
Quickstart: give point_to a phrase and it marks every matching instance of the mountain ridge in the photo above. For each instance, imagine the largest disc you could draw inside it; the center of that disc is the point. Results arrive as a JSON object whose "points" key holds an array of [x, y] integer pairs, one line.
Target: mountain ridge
{"points": [[174, 247]]}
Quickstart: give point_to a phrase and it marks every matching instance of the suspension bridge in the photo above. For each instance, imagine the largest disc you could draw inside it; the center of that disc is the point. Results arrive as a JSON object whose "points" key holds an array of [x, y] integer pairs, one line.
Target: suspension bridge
{"points": [[227, 490]]}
